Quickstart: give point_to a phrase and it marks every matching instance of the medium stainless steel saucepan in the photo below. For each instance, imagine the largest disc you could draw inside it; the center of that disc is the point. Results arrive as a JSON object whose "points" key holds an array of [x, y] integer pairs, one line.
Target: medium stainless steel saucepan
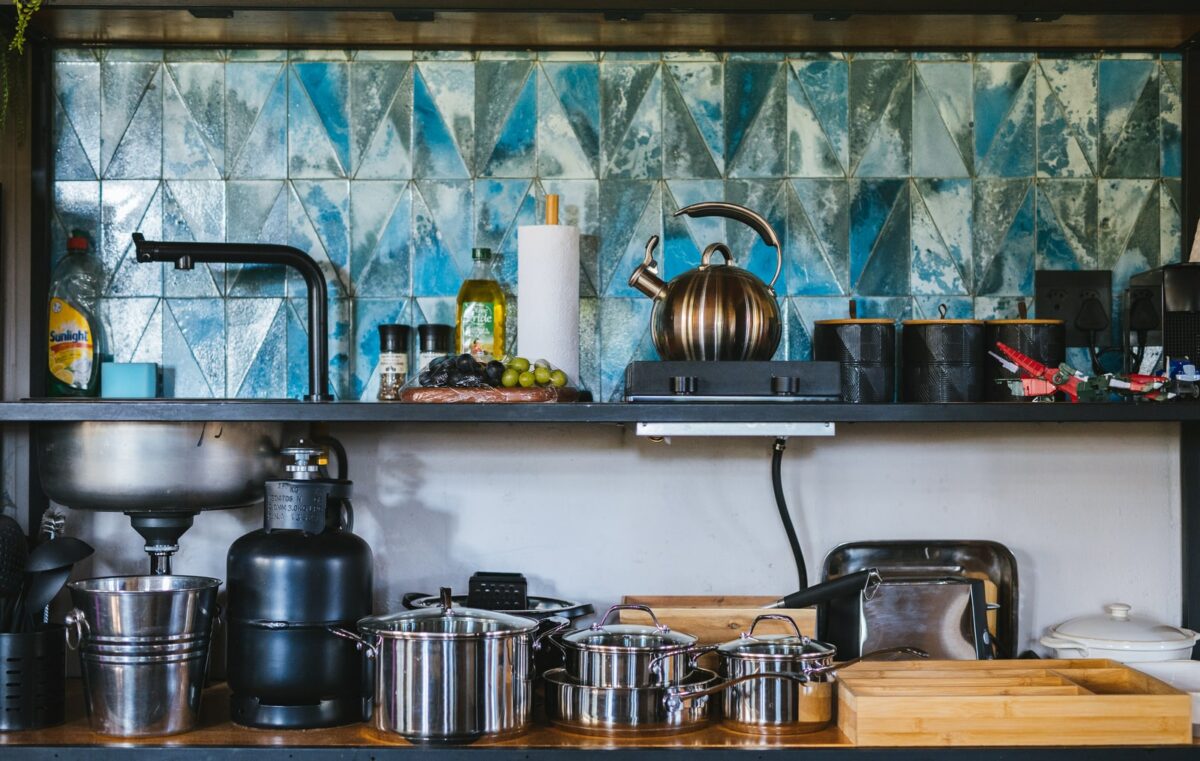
{"points": [[626, 655]]}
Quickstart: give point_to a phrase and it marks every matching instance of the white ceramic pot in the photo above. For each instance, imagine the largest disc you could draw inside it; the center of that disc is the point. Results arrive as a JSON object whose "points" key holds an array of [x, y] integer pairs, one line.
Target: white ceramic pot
{"points": [[1120, 636]]}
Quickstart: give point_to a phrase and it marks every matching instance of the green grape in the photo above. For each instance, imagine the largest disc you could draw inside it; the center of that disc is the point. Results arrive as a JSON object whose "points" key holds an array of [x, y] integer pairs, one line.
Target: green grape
{"points": [[509, 378], [542, 375], [558, 379], [526, 379], [520, 364]]}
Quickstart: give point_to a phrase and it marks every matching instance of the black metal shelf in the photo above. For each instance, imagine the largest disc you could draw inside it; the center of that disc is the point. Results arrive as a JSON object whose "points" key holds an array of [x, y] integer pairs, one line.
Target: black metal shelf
{"points": [[58, 410]]}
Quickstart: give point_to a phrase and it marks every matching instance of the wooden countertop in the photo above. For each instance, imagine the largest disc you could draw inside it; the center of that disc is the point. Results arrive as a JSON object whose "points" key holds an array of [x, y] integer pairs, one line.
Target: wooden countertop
{"points": [[217, 730]]}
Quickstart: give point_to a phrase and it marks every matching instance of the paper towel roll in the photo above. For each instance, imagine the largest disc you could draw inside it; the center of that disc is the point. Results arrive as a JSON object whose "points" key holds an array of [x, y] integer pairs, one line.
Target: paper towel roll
{"points": [[548, 296]]}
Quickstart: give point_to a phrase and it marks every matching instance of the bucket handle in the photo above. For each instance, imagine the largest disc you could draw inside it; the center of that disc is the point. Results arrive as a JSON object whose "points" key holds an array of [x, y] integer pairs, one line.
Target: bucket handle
{"points": [[368, 648], [77, 624]]}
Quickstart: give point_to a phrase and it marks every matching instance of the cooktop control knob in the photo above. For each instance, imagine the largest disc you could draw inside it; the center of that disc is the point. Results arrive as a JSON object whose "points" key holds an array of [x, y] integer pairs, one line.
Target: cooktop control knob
{"points": [[683, 385], [785, 385]]}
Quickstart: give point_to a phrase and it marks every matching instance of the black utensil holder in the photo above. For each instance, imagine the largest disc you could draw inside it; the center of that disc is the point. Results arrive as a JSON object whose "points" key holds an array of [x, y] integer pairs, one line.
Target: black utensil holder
{"points": [[34, 678]]}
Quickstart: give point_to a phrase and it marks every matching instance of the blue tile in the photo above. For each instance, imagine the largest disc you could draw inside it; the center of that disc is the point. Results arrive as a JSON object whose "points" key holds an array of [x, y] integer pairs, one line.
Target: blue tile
{"points": [[1171, 108], [256, 351], [76, 133], [194, 121], [500, 207], [131, 120], [1004, 237], [505, 119], [441, 237], [755, 117], [818, 114], [880, 117], [818, 238], [1129, 118], [381, 119], [193, 352], [632, 212], [194, 210], [319, 120], [318, 218], [1171, 241], [631, 109], [942, 264], [770, 199], [803, 312], [256, 211], [1004, 119], [126, 207], [256, 118], [569, 120], [435, 151], [625, 335], [879, 237], [1067, 119], [1066, 224], [693, 133], [684, 237], [381, 227], [942, 120]]}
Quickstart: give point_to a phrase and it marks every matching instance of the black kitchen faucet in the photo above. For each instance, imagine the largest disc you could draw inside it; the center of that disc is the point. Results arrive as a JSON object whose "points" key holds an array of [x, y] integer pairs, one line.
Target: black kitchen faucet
{"points": [[185, 255]]}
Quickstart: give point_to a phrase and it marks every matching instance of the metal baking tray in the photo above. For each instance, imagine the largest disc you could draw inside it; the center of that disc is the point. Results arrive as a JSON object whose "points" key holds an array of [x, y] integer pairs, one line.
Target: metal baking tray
{"points": [[936, 557]]}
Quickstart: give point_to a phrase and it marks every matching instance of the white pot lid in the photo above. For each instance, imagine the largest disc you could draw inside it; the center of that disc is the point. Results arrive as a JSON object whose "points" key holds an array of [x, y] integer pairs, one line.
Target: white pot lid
{"points": [[1117, 627]]}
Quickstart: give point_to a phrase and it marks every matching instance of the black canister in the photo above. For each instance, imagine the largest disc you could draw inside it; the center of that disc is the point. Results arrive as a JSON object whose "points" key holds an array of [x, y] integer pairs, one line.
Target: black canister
{"points": [[303, 572], [35, 678], [1042, 340], [943, 361], [866, 351]]}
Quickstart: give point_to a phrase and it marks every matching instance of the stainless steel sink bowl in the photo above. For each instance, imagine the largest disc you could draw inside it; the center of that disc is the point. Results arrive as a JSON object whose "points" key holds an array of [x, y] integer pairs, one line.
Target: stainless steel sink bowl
{"points": [[157, 466]]}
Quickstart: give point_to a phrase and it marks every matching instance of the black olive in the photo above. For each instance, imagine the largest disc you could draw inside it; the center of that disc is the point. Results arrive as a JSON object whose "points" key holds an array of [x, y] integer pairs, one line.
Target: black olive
{"points": [[426, 378], [465, 363]]}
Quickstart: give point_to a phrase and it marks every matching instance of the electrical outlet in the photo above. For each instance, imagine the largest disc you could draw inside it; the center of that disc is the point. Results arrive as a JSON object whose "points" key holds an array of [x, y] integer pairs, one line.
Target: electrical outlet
{"points": [[1060, 294]]}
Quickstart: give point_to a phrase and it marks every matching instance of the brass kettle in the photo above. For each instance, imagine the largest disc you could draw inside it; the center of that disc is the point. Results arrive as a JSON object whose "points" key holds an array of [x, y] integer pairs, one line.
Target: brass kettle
{"points": [[715, 311]]}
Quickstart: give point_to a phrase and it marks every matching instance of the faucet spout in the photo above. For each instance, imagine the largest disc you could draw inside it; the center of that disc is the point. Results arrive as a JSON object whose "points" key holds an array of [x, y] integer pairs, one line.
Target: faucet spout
{"points": [[185, 255]]}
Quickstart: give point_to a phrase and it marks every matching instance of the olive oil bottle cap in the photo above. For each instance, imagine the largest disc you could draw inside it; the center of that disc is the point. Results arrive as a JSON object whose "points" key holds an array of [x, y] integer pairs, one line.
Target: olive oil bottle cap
{"points": [[481, 254]]}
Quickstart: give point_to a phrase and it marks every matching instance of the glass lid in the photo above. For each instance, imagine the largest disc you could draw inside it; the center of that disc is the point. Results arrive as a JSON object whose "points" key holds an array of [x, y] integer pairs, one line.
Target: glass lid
{"points": [[1118, 625], [620, 636], [446, 621], [794, 645]]}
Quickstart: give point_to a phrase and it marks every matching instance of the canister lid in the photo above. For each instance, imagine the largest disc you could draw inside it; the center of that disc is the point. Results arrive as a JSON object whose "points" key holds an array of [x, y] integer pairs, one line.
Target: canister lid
{"points": [[393, 338], [1026, 322], [435, 337], [446, 622], [1118, 628], [942, 322], [856, 321]]}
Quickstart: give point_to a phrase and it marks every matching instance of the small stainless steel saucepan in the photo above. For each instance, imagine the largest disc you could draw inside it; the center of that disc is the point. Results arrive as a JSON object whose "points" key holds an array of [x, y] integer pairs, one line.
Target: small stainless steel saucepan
{"points": [[626, 655], [800, 699]]}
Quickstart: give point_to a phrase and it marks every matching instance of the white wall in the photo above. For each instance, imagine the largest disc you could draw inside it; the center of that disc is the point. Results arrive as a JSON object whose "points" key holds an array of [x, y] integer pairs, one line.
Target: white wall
{"points": [[592, 513]]}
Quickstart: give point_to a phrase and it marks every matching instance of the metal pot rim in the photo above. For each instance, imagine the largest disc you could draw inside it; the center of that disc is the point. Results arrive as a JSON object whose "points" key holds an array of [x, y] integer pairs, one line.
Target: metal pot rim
{"points": [[697, 677], [734, 653], [195, 584], [663, 650]]}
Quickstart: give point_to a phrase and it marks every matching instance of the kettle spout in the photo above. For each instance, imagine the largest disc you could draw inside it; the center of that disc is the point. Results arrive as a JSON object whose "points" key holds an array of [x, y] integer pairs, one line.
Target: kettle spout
{"points": [[645, 278]]}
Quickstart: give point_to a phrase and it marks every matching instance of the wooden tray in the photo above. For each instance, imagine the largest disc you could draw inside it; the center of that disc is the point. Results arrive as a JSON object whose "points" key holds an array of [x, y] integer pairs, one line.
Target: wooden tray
{"points": [[1004, 703], [434, 395]]}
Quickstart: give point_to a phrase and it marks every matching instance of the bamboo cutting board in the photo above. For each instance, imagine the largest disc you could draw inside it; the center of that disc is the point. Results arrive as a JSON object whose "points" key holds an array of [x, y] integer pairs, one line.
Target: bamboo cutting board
{"points": [[1002, 703]]}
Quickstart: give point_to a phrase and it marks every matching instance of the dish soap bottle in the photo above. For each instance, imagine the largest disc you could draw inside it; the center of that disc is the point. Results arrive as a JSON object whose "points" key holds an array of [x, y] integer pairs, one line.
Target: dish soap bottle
{"points": [[75, 338], [479, 318]]}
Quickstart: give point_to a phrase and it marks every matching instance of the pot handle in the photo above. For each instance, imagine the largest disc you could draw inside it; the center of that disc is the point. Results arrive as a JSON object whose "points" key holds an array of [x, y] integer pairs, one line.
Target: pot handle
{"points": [[916, 651], [1056, 642], [776, 617], [676, 696], [368, 648], [694, 654], [409, 597], [715, 248], [627, 606], [751, 219], [560, 623], [77, 624]]}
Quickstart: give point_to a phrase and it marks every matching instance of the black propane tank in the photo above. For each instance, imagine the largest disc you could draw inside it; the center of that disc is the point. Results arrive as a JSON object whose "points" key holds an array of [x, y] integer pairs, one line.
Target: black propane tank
{"points": [[303, 572]]}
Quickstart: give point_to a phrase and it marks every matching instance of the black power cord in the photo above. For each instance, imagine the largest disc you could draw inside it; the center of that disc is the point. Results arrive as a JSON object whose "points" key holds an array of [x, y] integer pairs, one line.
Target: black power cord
{"points": [[784, 515]]}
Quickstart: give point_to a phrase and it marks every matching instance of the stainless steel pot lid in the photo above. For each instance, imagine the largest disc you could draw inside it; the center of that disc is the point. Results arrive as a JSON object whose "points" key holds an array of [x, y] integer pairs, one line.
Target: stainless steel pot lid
{"points": [[539, 607], [604, 636], [446, 622], [794, 645]]}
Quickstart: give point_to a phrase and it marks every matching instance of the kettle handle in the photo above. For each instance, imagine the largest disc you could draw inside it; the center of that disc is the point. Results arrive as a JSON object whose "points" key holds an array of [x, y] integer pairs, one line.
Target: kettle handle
{"points": [[752, 219]]}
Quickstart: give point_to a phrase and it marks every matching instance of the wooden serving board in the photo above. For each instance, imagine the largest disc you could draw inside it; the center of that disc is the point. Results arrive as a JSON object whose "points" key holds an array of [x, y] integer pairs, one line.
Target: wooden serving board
{"points": [[1004, 703], [488, 395], [716, 619]]}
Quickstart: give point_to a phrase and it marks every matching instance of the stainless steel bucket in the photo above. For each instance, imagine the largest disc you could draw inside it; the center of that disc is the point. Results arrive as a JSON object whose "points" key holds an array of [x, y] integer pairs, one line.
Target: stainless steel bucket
{"points": [[144, 644]]}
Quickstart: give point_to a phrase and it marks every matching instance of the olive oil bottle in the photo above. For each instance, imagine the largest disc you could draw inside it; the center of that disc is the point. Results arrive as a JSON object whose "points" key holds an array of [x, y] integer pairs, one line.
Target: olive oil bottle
{"points": [[479, 318]]}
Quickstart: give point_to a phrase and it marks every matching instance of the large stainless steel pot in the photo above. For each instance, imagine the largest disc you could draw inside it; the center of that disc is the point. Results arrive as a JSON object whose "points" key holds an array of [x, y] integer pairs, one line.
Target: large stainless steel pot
{"points": [[715, 311], [449, 674], [626, 655]]}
